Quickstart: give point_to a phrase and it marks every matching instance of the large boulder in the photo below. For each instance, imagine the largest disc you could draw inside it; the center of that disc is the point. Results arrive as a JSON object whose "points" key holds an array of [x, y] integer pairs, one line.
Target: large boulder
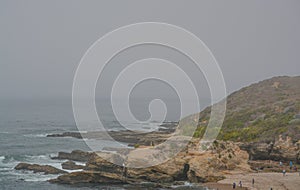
{"points": [[222, 158]]}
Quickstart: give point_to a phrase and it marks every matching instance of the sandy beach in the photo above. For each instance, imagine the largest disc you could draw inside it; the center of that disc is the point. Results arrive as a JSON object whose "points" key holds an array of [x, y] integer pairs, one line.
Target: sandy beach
{"points": [[222, 186], [263, 181]]}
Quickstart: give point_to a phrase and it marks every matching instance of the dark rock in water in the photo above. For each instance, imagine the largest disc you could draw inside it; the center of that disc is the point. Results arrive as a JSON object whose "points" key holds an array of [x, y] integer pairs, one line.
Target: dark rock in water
{"points": [[46, 169], [89, 177], [75, 155], [69, 165], [67, 134], [126, 136]]}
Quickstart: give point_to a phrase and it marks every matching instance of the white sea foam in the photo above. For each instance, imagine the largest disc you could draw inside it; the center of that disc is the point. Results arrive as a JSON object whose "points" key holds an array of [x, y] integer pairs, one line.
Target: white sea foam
{"points": [[7, 164], [35, 135], [30, 176], [4, 132], [44, 160], [80, 163]]}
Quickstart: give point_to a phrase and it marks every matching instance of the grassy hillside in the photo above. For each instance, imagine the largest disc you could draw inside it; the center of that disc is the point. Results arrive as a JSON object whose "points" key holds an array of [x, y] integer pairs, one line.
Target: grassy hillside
{"points": [[260, 112]]}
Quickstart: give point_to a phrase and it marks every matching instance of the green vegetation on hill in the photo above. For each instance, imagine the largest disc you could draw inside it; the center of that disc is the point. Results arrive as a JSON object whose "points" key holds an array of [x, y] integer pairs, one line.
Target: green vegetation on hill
{"points": [[260, 112]]}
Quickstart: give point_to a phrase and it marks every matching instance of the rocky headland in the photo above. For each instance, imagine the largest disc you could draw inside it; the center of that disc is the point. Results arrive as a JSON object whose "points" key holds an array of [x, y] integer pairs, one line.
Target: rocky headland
{"points": [[261, 128]]}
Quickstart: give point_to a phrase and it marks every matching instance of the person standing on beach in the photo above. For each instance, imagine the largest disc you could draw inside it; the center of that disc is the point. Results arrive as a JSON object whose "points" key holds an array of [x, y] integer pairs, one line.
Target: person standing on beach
{"points": [[283, 172], [291, 165], [240, 184], [295, 168], [253, 182], [233, 185]]}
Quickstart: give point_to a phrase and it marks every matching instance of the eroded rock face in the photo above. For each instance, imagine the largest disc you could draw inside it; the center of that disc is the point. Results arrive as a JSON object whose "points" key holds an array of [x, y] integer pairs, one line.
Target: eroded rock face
{"points": [[223, 157], [46, 169], [151, 174], [190, 165], [283, 149]]}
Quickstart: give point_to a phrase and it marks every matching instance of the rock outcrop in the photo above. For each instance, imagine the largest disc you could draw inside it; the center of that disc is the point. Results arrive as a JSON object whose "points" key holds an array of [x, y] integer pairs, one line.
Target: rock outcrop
{"points": [[70, 165], [283, 149], [223, 157], [46, 169], [271, 166], [191, 165], [75, 155], [88, 177]]}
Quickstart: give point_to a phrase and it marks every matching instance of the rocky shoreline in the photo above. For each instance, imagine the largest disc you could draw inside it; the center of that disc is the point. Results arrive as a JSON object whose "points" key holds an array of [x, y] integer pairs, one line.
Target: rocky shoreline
{"points": [[211, 166], [220, 160], [223, 158]]}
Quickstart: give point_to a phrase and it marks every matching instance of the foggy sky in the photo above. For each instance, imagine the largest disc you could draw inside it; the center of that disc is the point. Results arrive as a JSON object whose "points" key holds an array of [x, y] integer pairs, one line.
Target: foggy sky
{"points": [[42, 42]]}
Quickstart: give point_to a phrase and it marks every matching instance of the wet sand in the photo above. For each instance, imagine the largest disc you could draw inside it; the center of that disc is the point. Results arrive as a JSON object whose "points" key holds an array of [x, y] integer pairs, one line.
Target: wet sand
{"points": [[221, 186]]}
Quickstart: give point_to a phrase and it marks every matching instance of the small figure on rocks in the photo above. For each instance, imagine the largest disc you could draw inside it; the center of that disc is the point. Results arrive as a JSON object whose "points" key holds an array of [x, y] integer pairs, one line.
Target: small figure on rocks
{"points": [[240, 184], [253, 181], [124, 171], [233, 185]]}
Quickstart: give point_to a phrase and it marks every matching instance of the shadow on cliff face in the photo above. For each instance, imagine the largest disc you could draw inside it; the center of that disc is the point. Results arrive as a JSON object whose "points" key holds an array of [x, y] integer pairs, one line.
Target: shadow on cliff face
{"points": [[183, 176]]}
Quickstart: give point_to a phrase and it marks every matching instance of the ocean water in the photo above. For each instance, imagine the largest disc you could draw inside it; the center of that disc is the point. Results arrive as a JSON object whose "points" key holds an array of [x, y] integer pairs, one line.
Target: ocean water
{"points": [[24, 125]]}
